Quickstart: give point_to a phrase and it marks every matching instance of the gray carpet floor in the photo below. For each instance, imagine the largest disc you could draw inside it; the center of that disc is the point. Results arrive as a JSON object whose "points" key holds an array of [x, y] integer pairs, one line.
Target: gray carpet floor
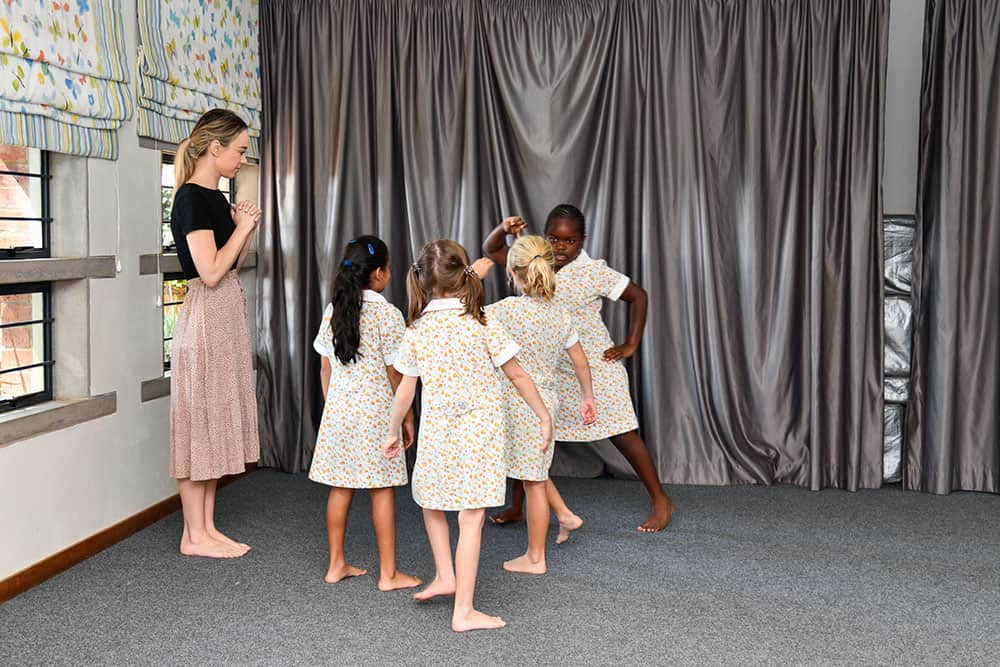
{"points": [[744, 575]]}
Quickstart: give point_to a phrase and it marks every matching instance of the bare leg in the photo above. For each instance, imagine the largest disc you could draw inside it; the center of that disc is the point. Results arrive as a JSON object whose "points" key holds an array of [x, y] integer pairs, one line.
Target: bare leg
{"points": [[210, 487], [195, 540], [533, 561], [444, 568], [337, 505], [515, 512], [384, 520], [634, 449], [568, 521], [465, 617]]}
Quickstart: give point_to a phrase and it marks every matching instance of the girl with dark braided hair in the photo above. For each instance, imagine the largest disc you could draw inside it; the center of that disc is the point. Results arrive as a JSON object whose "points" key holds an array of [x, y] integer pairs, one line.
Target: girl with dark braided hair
{"points": [[358, 340]]}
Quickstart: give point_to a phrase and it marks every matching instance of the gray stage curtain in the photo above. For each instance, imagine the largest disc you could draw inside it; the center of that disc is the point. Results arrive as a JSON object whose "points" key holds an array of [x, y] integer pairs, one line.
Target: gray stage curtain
{"points": [[953, 425], [727, 155]]}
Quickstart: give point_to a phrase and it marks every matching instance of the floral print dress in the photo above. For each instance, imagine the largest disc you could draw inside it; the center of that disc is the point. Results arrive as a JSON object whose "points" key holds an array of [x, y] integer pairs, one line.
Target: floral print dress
{"points": [[580, 286], [544, 331], [460, 442], [355, 420]]}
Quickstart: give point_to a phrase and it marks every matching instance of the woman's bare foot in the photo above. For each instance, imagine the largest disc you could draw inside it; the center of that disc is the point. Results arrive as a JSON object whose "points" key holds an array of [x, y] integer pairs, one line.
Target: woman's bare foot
{"points": [[567, 526], [434, 589], [475, 620], [342, 571], [209, 548], [525, 565], [397, 581], [663, 511], [225, 539], [509, 515]]}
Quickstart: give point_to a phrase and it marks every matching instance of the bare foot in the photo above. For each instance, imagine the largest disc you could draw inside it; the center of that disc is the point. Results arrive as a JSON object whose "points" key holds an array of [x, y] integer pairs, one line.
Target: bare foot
{"points": [[658, 520], [209, 548], [397, 581], [567, 526], [225, 539], [525, 565], [509, 515], [475, 620], [434, 589], [338, 572]]}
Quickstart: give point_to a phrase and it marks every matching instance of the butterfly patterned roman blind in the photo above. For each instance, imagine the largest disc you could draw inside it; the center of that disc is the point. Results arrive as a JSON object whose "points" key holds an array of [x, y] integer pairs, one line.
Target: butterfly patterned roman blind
{"points": [[197, 55], [64, 80]]}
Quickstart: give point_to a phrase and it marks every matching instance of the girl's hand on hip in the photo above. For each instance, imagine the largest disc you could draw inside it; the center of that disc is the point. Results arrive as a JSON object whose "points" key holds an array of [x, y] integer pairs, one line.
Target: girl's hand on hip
{"points": [[619, 352]]}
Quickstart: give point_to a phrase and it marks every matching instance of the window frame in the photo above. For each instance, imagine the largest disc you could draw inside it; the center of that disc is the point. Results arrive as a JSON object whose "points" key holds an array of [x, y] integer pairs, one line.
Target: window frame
{"points": [[48, 361], [45, 220], [165, 277]]}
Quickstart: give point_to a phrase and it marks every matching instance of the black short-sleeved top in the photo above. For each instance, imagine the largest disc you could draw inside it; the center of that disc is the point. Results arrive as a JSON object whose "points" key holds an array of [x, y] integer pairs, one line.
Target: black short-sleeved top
{"points": [[197, 207]]}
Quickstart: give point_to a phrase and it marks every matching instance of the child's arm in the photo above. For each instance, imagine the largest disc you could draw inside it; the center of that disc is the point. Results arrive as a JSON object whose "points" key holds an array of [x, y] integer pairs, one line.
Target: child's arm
{"points": [[324, 375], [529, 392], [495, 245], [582, 369], [395, 377], [401, 402], [636, 296]]}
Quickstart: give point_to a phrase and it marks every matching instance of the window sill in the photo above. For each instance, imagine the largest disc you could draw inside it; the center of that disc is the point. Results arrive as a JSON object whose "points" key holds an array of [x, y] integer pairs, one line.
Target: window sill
{"points": [[53, 416], [150, 390], [167, 262], [56, 268]]}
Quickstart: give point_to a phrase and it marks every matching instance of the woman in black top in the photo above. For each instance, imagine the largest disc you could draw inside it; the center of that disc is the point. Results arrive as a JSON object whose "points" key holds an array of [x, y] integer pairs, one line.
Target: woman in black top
{"points": [[213, 408]]}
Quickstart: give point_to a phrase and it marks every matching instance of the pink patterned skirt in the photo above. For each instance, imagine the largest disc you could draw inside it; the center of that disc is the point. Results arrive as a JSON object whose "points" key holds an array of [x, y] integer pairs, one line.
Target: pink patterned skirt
{"points": [[213, 405]]}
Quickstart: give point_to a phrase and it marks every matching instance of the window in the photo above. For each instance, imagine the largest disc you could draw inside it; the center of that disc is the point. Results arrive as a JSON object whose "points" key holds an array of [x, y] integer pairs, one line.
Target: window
{"points": [[25, 308], [167, 199], [25, 345], [174, 290], [24, 202]]}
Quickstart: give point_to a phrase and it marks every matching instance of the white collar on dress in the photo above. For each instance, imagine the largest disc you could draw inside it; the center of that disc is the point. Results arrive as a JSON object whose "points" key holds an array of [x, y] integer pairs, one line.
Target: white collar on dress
{"points": [[371, 296], [581, 260], [444, 304]]}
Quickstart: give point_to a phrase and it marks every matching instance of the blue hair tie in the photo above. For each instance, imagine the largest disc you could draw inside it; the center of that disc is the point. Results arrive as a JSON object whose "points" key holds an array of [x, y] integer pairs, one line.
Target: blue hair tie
{"points": [[352, 242], [348, 262], [371, 250]]}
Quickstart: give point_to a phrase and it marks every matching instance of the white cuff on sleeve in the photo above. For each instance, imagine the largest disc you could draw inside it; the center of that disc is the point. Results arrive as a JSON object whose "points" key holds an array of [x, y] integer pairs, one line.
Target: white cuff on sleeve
{"points": [[571, 341], [406, 370], [620, 288], [506, 355]]}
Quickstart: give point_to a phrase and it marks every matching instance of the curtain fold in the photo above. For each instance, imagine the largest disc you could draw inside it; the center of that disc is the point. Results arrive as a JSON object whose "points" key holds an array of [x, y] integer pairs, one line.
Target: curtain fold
{"points": [[953, 420], [195, 56], [727, 156], [64, 83]]}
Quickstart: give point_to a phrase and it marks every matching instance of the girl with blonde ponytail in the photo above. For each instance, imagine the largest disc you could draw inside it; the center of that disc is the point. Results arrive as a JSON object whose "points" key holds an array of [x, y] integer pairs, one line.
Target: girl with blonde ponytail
{"points": [[213, 409], [454, 350], [545, 333]]}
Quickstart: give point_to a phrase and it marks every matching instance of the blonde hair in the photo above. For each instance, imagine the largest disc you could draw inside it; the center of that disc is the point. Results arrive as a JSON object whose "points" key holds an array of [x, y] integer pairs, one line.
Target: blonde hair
{"points": [[443, 269], [217, 124], [531, 263]]}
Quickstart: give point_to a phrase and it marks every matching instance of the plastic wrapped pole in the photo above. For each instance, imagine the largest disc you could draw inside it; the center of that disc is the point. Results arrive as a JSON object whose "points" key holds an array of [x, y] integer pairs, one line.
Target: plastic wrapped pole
{"points": [[897, 238]]}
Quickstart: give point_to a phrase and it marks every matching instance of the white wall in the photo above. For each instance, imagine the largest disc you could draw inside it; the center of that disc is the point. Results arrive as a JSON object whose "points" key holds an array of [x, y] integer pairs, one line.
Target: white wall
{"points": [[62, 487]]}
